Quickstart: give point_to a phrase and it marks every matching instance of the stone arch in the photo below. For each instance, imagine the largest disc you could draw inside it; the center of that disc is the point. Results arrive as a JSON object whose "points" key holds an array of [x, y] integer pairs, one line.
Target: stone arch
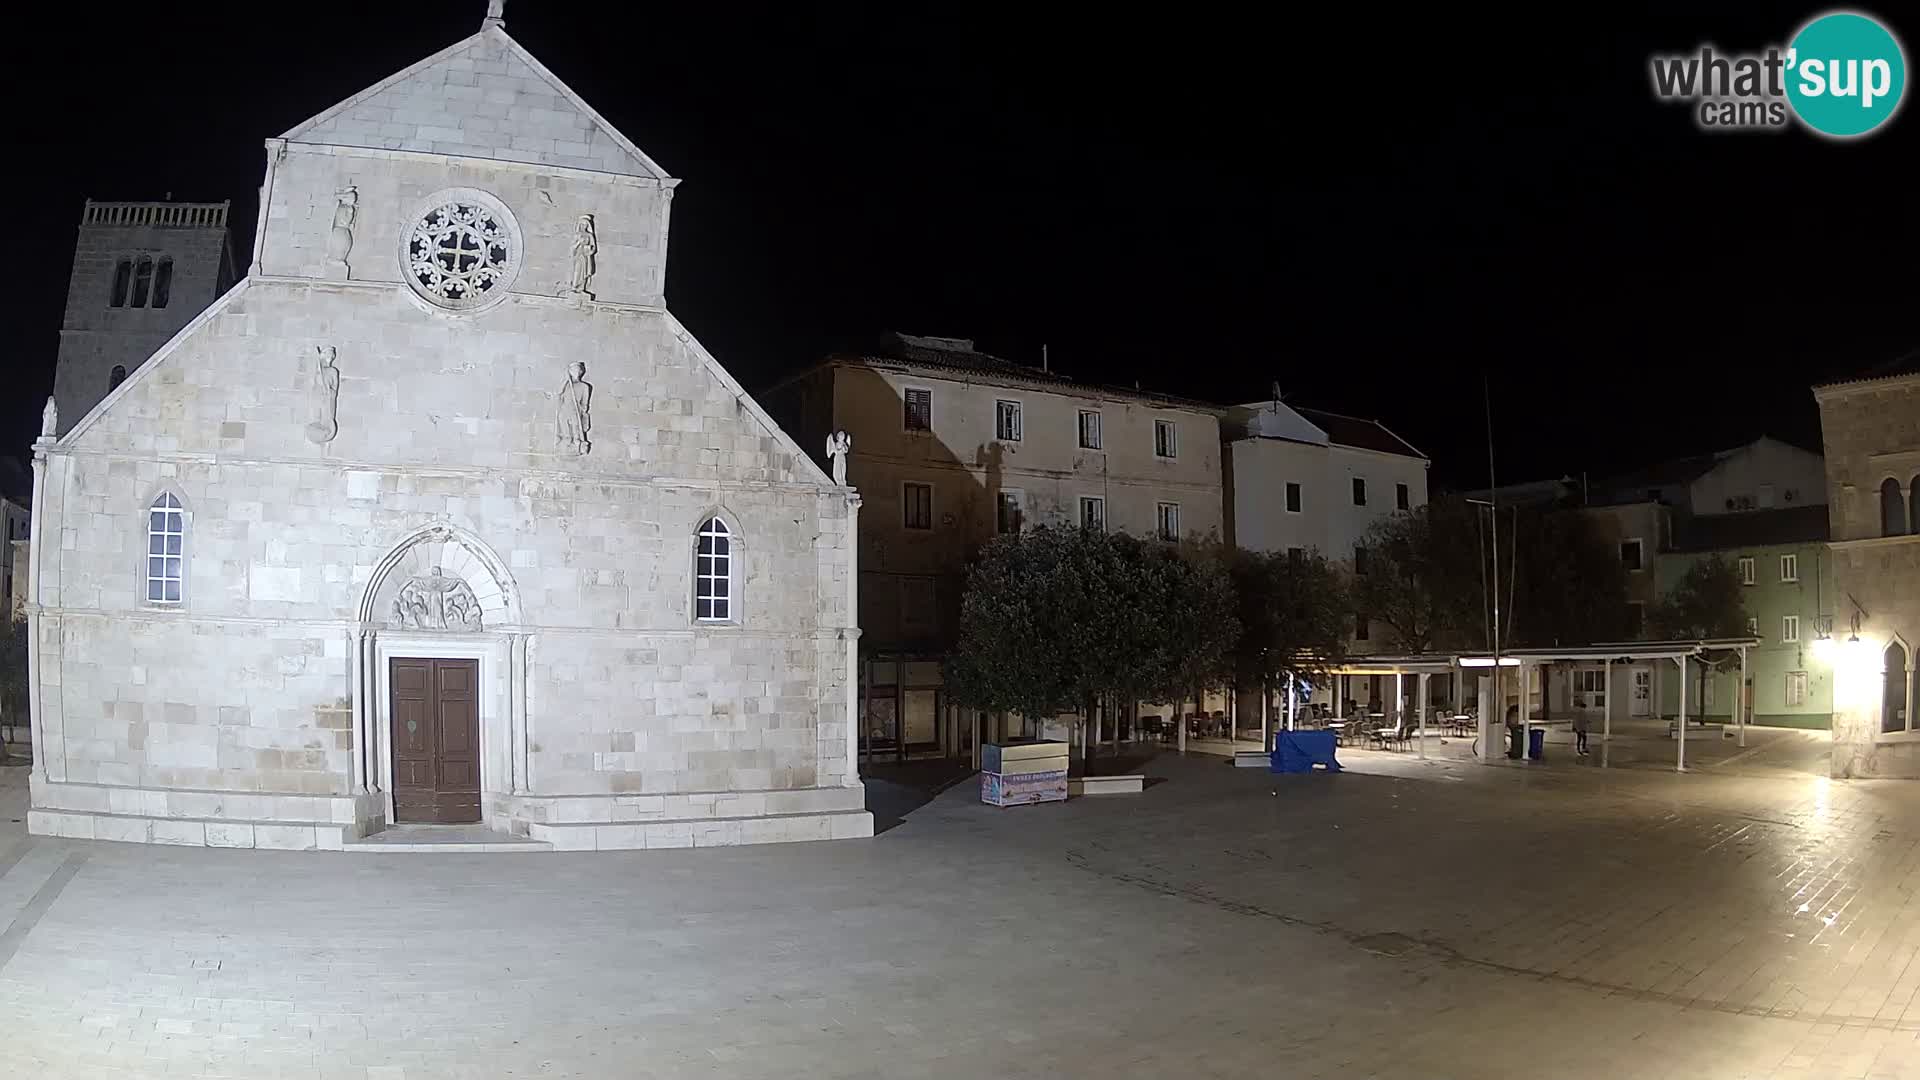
{"points": [[457, 553]]}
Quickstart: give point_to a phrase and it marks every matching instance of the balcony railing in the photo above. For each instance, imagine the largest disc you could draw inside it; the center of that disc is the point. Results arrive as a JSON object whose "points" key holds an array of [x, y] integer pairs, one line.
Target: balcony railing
{"points": [[164, 215]]}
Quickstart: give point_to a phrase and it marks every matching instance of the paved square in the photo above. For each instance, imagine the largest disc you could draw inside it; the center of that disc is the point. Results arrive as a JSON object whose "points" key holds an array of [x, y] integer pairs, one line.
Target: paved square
{"points": [[1403, 919]]}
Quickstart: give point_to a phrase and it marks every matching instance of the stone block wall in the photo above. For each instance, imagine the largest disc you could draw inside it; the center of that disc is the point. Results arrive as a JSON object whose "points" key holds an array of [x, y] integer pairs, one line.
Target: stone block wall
{"points": [[1871, 431]]}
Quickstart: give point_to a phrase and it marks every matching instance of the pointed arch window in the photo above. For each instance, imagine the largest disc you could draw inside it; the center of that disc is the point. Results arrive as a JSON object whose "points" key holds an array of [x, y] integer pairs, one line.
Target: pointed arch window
{"points": [[142, 282], [122, 281], [117, 376], [162, 282], [166, 550], [1893, 691], [713, 592], [1893, 508]]}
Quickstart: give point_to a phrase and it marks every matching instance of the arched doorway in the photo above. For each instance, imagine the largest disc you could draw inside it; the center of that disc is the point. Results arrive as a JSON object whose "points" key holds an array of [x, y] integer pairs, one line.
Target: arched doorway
{"points": [[440, 682], [1893, 691]]}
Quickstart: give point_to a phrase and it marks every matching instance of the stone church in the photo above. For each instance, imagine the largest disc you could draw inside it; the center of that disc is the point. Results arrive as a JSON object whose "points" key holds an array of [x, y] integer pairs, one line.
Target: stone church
{"points": [[439, 516]]}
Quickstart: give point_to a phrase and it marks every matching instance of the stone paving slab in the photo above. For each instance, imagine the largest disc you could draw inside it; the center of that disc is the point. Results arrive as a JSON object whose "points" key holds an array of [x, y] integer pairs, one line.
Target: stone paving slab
{"points": [[1398, 920]]}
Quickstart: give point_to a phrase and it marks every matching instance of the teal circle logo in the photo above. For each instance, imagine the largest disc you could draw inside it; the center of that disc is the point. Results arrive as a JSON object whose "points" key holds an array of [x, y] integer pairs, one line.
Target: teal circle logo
{"points": [[1845, 74]]}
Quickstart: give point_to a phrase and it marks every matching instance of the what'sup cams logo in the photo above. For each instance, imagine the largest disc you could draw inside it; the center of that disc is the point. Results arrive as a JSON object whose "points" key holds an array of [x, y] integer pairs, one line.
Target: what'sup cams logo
{"points": [[1842, 76]]}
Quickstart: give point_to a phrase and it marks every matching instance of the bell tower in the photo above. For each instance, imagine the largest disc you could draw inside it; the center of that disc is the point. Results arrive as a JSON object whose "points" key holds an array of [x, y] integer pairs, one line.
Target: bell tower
{"points": [[141, 271]]}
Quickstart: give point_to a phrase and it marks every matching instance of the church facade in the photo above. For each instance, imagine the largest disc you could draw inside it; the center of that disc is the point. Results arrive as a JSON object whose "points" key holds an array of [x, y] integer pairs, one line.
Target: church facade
{"points": [[439, 516]]}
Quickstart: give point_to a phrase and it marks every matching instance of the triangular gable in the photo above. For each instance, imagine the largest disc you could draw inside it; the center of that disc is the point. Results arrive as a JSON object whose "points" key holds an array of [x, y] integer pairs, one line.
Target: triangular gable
{"points": [[151, 363], [803, 462], [483, 97]]}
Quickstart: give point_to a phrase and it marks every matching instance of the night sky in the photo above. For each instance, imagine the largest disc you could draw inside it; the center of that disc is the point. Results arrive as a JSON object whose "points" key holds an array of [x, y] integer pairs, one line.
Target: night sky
{"points": [[1370, 207]]}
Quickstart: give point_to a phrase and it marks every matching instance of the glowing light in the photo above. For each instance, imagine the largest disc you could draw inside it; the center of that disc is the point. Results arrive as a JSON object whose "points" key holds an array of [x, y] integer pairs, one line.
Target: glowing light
{"points": [[1487, 661]]}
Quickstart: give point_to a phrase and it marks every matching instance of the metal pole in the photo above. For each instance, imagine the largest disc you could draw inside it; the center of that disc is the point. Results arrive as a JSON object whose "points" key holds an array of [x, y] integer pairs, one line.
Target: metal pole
{"points": [[1422, 706], [1740, 699], [1606, 718], [1681, 764]]}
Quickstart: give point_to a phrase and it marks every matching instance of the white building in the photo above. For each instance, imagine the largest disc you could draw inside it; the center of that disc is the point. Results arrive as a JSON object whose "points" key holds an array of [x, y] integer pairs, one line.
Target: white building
{"points": [[1309, 480], [439, 515]]}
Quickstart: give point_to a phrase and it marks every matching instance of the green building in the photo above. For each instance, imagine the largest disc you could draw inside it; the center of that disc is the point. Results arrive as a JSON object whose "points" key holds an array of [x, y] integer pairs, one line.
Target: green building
{"points": [[1783, 560]]}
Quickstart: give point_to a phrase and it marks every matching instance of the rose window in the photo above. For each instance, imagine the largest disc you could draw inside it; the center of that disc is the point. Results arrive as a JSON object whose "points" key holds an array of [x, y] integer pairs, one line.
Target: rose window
{"points": [[460, 254]]}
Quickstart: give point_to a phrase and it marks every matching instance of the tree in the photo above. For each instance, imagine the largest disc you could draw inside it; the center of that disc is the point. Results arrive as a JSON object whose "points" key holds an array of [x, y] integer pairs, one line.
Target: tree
{"points": [[1570, 586], [1058, 618], [1294, 615], [1707, 602], [1421, 579]]}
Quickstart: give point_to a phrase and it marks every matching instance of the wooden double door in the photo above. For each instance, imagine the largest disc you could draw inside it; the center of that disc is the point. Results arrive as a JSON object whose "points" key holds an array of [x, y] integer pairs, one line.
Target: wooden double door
{"points": [[436, 739]]}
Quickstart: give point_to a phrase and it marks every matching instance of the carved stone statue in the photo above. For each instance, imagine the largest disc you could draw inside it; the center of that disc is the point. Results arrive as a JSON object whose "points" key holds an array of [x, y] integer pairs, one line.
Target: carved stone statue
{"points": [[340, 240], [585, 246], [324, 397], [436, 602], [839, 445], [575, 412], [50, 419]]}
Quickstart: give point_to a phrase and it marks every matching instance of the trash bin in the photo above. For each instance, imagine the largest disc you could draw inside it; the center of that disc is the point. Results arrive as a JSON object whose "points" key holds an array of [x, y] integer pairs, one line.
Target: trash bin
{"points": [[1536, 743], [1514, 746]]}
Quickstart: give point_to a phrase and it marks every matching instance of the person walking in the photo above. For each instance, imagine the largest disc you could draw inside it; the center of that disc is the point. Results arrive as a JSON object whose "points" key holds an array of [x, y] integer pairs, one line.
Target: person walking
{"points": [[1580, 733]]}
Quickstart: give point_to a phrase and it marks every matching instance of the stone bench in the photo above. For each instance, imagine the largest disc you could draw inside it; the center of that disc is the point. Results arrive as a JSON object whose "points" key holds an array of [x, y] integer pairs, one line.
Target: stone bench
{"points": [[1106, 785]]}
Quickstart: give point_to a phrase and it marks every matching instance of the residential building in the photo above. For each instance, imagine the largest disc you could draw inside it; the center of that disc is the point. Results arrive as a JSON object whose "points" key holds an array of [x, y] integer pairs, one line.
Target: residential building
{"points": [[1311, 480], [441, 516], [951, 446], [14, 518], [1871, 426], [1788, 591], [141, 271]]}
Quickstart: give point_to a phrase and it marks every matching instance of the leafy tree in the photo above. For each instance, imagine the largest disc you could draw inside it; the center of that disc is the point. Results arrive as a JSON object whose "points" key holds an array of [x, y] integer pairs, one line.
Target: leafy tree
{"points": [[1570, 586], [1422, 578], [1294, 614], [1707, 602], [13, 679], [1057, 618]]}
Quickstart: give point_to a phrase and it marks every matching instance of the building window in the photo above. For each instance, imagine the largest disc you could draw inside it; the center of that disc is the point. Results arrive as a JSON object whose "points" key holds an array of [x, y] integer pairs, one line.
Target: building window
{"points": [[1402, 500], [142, 282], [1893, 691], [122, 281], [163, 283], [1893, 510], [1089, 429], [1360, 561], [1167, 516], [919, 414], [1591, 683], [713, 572], [1293, 498], [1006, 421], [1631, 555], [459, 253], [1359, 491], [1093, 513], [1166, 441], [115, 377], [1013, 512], [919, 603], [1790, 628], [1747, 573], [1789, 568], [1753, 626], [166, 549], [1360, 626], [1796, 688], [1296, 557], [916, 502]]}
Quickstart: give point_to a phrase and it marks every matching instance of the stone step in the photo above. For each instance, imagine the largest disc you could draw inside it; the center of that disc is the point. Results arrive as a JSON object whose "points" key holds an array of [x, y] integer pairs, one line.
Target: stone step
{"points": [[460, 839], [705, 832]]}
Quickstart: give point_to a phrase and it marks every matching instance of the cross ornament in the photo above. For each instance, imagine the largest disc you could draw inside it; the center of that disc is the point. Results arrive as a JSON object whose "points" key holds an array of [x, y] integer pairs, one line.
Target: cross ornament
{"points": [[496, 12]]}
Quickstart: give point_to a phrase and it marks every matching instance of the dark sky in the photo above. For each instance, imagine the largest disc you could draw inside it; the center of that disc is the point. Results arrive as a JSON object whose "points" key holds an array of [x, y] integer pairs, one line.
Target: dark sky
{"points": [[1373, 208]]}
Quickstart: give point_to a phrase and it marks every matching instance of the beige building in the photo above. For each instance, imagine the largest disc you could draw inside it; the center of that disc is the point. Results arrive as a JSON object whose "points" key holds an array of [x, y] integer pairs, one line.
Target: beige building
{"points": [[1310, 480], [439, 516], [1871, 425], [952, 446]]}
